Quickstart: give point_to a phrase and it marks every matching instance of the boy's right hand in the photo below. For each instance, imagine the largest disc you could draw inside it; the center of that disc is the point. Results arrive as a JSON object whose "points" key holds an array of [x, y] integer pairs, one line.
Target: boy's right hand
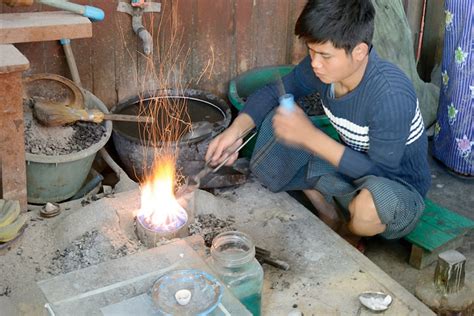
{"points": [[223, 145]]}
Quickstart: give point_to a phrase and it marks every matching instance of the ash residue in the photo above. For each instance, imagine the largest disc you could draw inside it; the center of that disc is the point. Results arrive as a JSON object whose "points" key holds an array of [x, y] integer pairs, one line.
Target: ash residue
{"points": [[311, 104], [5, 290], [209, 226], [60, 140], [90, 249]]}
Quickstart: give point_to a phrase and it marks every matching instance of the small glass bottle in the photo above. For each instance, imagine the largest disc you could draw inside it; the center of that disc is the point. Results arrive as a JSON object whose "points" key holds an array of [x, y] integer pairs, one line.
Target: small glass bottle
{"points": [[233, 259]]}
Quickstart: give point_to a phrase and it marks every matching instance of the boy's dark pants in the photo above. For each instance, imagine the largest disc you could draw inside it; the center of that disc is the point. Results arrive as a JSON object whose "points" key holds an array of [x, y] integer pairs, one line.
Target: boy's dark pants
{"points": [[282, 168]]}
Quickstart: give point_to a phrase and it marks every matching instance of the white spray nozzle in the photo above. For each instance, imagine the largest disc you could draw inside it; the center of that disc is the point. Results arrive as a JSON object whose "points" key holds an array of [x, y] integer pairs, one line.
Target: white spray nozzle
{"points": [[287, 102]]}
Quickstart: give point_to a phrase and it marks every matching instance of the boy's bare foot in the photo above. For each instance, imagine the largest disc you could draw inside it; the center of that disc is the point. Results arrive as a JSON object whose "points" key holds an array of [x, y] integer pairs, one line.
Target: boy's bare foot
{"points": [[325, 211], [353, 239], [333, 219]]}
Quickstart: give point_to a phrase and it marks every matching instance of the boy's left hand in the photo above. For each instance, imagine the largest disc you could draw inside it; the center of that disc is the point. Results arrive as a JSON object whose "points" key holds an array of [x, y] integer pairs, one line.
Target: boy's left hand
{"points": [[293, 128]]}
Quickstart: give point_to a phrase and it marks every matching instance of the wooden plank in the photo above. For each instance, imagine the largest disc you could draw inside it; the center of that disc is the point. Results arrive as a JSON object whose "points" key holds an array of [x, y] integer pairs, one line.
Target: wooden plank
{"points": [[449, 220], [12, 60], [34, 53], [55, 59], [82, 50], [103, 57], [42, 26], [413, 11], [297, 48], [421, 258], [245, 39], [32, 8], [147, 79], [445, 220], [438, 226], [12, 144], [272, 32], [428, 236], [243, 34], [176, 38], [433, 38], [213, 42], [126, 84]]}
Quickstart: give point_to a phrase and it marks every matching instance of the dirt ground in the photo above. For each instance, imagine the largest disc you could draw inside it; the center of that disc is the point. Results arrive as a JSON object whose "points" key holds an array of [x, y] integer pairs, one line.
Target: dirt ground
{"points": [[449, 191]]}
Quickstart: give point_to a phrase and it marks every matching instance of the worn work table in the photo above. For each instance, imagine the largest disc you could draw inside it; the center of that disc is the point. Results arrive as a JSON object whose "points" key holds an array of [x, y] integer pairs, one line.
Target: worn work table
{"points": [[326, 274]]}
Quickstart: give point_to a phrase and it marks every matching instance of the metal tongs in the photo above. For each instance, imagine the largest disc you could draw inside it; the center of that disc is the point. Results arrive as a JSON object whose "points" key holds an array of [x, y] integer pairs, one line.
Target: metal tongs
{"points": [[193, 182]]}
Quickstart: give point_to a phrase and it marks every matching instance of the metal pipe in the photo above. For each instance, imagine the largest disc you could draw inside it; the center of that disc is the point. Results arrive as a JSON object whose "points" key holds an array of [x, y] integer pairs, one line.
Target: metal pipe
{"points": [[140, 30], [88, 187], [110, 162], [93, 13]]}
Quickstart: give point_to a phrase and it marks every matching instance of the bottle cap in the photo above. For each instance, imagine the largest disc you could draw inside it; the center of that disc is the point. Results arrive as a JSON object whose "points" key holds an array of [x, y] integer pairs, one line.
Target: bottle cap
{"points": [[93, 13], [287, 101]]}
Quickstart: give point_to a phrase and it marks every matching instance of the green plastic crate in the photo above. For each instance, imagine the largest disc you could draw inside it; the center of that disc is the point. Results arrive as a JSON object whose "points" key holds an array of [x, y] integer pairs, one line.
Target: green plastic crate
{"points": [[245, 84]]}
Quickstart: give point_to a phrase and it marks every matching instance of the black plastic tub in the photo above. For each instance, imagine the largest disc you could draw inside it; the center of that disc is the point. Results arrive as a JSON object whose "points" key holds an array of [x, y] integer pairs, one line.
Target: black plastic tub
{"points": [[137, 151]]}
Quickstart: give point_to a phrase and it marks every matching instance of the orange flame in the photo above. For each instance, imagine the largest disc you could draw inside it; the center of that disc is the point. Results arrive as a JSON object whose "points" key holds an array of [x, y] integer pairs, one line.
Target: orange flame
{"points": [[160, 209], [159, 206]]}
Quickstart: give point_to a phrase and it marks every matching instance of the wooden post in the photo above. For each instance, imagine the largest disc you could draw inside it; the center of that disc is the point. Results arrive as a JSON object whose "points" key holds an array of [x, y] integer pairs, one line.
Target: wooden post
{"points": [[12, 141], [447, 293], [450, 272]]}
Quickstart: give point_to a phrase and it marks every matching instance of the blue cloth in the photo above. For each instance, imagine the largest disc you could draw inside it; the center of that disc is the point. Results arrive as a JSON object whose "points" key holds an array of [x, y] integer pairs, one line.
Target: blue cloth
{"points": [[379, 122], [454, 129]]}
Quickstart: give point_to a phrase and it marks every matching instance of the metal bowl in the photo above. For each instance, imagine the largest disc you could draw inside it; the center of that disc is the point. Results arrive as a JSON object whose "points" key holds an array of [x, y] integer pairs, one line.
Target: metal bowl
{"points": [[375, 301]]}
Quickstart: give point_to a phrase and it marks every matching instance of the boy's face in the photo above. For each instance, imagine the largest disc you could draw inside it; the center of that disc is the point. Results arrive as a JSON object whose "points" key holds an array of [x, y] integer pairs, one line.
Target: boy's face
{"points": [[332, 64]]}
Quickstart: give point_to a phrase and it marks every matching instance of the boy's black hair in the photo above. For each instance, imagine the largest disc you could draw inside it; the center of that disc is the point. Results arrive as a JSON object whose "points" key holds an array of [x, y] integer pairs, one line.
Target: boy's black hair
{"points": [[345, 23]]}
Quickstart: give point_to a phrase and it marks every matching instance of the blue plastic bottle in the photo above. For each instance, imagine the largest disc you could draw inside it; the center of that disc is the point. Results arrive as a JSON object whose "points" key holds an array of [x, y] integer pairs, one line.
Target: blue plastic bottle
{"points": [[287, 102]]}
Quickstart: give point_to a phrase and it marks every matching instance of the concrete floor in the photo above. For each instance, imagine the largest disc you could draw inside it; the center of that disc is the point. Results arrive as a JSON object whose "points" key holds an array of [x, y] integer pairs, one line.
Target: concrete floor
{"points": [[447, 190], [391, 256]]}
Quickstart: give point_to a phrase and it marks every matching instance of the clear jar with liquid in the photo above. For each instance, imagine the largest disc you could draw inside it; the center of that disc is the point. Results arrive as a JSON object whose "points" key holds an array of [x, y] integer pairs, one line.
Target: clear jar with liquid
{"points": [[233, 259]]}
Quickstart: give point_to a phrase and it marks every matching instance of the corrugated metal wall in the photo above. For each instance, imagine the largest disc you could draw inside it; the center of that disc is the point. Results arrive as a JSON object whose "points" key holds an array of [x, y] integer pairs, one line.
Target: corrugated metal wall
{"points": [[214, 40]]}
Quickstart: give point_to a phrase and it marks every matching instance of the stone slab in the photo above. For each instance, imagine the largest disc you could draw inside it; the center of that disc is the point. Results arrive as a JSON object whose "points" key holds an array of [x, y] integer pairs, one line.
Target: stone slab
{"points": [[87, 291], [326, 275]]}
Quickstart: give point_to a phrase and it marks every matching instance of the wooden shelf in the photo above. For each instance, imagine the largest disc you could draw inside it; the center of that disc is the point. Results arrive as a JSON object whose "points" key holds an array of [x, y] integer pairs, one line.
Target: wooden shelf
{"points": [[12, 60], [42, 26], [24, 28]]}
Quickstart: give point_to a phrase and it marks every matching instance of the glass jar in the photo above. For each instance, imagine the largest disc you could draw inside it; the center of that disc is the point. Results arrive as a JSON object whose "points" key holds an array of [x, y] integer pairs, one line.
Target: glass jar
{"points": [[233, 259]]}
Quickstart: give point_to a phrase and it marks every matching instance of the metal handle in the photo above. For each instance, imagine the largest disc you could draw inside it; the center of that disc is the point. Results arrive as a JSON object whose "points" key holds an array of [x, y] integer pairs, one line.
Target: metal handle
{"points": [[239, 148]]}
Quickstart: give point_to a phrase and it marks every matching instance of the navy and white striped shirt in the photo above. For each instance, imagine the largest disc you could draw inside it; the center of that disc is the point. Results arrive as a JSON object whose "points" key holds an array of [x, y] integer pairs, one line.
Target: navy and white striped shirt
{"points": [[379, 121]]}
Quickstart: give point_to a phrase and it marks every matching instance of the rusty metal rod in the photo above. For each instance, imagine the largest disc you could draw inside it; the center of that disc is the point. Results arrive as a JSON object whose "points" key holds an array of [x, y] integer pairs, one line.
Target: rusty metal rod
{"points": [[280, 264], [263, 256]]}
